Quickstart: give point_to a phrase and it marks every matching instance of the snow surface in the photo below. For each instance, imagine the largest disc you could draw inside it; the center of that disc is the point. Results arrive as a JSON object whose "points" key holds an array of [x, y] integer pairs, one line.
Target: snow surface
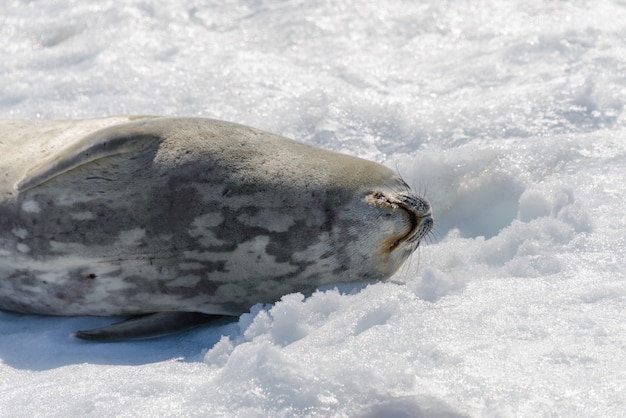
{"points": [[509, 116]]}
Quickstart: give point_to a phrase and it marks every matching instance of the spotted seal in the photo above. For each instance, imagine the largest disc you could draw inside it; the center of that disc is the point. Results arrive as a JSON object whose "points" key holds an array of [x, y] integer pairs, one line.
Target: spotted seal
{"points": [[176, 221]]}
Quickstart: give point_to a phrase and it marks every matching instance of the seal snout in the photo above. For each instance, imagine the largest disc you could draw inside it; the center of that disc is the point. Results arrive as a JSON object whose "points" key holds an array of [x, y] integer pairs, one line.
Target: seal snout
{"points": [[418, 212], [420, 216]]}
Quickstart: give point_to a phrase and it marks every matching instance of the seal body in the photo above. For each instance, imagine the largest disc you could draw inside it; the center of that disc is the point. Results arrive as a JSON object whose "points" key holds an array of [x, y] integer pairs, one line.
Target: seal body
{"points": [[139, 215]]}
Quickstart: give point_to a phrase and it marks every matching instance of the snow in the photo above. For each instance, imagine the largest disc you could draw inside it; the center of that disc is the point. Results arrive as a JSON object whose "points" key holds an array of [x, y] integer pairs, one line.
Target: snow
{"points": [[509, 116]]}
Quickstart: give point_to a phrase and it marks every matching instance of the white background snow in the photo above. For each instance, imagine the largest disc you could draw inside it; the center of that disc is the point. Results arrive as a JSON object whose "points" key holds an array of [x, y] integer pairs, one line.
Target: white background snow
{"points": [[508, 115]]}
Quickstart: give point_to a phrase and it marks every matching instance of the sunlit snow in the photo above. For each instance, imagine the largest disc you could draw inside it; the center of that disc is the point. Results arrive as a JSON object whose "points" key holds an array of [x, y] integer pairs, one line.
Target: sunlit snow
{"points": [[508, 116]]}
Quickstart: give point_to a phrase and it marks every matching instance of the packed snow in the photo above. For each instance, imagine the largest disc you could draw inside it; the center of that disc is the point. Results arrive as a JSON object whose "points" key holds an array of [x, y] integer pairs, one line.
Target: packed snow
{"points": [[508, 116]]}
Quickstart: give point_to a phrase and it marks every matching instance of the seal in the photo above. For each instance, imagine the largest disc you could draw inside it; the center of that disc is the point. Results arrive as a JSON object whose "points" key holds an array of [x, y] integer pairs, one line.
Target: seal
{"points": [[175, 222]]}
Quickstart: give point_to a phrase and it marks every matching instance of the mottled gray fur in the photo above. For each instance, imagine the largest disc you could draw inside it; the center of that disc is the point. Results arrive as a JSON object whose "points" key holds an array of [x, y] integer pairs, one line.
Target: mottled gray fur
{"points": [[127, 216]]}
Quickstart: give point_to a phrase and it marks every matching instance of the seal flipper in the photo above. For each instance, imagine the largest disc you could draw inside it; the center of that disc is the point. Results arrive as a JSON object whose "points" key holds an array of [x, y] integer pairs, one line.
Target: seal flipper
{"points": [[114, 140], [147, 326]]}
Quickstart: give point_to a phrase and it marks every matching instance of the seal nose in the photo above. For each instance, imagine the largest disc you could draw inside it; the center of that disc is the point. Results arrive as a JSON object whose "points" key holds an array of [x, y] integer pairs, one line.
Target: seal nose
{"points": [[420, 215], [417, 210], [424, 227]]}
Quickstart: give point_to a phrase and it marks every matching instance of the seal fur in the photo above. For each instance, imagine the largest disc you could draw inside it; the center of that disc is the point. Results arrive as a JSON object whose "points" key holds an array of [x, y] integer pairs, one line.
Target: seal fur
{"points": [[186, 217]]}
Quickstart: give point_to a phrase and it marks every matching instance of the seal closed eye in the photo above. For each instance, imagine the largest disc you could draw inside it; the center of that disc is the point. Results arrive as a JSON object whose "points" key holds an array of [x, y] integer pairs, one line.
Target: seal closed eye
{"points": [[177, 221]]}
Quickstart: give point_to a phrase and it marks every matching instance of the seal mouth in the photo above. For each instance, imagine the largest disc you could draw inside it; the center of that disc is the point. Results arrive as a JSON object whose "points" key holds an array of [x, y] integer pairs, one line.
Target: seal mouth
{"points": [[419, 216]]}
